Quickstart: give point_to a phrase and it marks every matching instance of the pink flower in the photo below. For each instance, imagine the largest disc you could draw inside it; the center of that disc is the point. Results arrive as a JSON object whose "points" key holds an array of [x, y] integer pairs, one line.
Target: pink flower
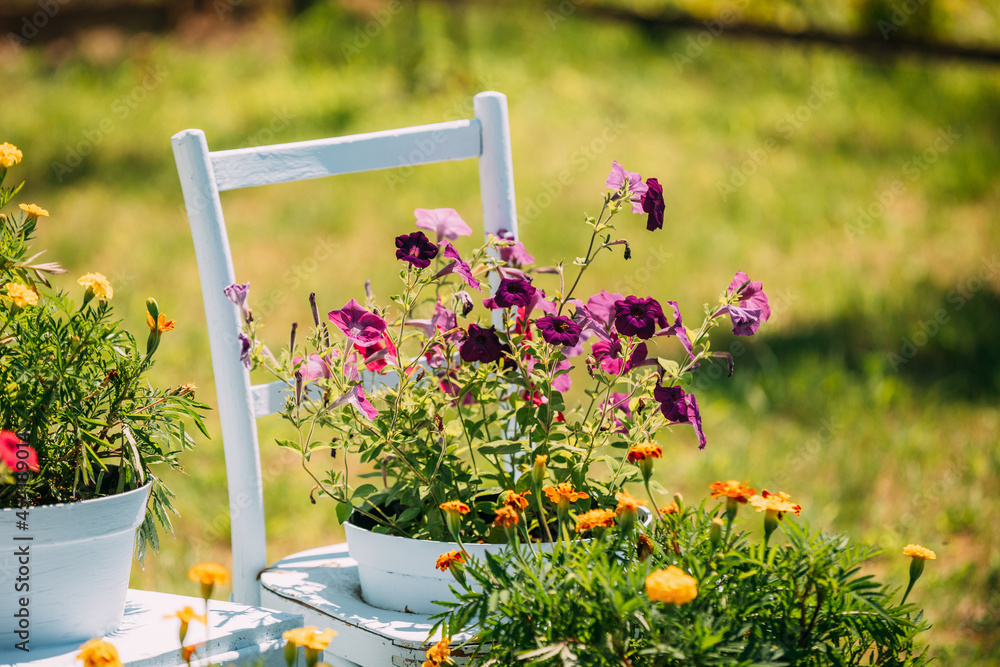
{"points": [[445, 222], [359, 325], [636, 188], [753, 307], [458, 266], [356, 397], [9, 446], [313, 367]]}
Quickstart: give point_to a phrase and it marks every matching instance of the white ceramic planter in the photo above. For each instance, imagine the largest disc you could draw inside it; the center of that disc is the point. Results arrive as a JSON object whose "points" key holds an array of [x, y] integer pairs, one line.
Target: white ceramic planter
{"points": [[398, 573], [77, 568]]}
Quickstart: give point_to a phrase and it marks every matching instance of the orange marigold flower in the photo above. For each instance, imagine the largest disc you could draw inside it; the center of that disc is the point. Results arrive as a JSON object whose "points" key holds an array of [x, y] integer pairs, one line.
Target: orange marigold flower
{"points": [[188, 614], [594, 519], [454, 507], [506, 517], [309, 637], [187, 652], [917, 551], [209, 573], [517, 500], [162, 325], [98, 284], [732, 489], [99, 653], [775, 502], [563, 493], [22, 295], [643, 547], [438, 654], [644, 450], [445, 561], [33, 210], [670, 508], [627, 503], [671, 585], [9, 155]]}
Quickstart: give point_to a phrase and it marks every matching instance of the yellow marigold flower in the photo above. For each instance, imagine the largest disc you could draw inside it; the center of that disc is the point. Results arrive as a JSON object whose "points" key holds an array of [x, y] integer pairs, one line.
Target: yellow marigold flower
{"points": [[99, 653], [594, 519], [917, 551], [445, 561], [209, 573], [454, 507], [627, 503], [517, 500], [775, 502], [644, 450], [438, 654], [188, 614], [309, 637], [21, 294], [33, 210], [563, 493], [9, 155], [732, 489], [98, 284], [507, 517], [671, 585], [162, 325], [670, 508]]}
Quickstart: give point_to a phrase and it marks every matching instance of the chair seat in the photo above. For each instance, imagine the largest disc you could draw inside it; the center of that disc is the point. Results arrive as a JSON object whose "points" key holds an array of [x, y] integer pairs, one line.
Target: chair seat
{"points": [[323, 586]]}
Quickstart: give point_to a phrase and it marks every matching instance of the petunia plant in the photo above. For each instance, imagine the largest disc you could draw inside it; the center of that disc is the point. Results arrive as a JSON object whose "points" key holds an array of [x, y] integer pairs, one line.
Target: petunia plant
{"points": [[453, 395]]}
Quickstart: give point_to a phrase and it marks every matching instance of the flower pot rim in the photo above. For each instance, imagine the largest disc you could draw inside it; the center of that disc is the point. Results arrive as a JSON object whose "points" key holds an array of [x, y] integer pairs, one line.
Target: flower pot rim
{"points": [[75, 503]]}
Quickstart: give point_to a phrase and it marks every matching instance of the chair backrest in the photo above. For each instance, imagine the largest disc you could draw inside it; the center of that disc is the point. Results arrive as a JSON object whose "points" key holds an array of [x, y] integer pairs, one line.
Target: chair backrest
{"points": [[205, 174]]}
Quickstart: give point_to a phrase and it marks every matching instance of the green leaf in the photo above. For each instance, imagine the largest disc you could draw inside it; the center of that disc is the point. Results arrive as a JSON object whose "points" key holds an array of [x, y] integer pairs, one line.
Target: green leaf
{"points": [[344, 512], [501, 447]]}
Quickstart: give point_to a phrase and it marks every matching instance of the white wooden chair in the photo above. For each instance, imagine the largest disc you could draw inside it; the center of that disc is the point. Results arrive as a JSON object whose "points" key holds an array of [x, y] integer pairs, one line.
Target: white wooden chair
{"points": [[203, 176]]}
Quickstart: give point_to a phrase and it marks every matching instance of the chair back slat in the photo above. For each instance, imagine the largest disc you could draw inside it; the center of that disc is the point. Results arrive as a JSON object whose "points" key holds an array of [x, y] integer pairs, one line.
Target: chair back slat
{"points": [[265, 165]]}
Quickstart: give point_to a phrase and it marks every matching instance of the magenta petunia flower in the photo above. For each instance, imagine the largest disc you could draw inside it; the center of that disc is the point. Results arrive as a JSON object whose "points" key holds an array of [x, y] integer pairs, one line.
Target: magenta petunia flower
{"points": [[10, 445], [559, 330], [446, 223], [444, 319], [511, 292], [238, 295], [245, 347], [607, 354], [636, 187], [638, 317], [652, 203], [358, 324], [680, 408], [458, 266], [356, 396], [481, 345], [416, 249], [514, 254], [377, 356], [602, 307], [753, 305]]}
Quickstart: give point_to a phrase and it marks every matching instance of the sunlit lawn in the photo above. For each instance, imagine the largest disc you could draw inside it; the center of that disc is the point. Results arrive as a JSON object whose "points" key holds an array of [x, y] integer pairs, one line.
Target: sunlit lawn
{"points": [[880, 422]]}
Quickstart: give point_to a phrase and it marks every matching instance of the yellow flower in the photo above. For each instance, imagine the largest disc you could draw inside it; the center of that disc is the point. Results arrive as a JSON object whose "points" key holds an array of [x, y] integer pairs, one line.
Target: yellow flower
{"points": [[507, 517], [517, 500], [162, 325], [732, 489], [188, 614], [671, 585], [627, 503], [309, 637], [209, 573], [33, 210], [454, 507], [445, 561], [21, 294], [775, 502], [99, 653], [594, 519], [9, 155], [917, 551], [438, 654], [563, 494], [98, 284]]}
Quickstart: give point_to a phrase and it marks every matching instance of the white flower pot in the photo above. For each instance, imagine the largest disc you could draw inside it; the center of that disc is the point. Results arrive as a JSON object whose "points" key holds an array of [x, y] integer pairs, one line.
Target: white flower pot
{"points": [[71, 584]]}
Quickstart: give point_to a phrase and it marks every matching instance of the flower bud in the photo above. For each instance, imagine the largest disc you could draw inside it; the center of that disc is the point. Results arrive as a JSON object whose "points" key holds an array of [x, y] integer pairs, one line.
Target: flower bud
{"points": [[715, 532], [538, 470]]}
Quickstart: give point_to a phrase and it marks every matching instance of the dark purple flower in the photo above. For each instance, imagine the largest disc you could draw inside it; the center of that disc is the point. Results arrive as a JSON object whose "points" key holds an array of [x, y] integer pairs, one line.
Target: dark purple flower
{"points": [[516, 253], [753, 307], [652, 203], [245, 346], [359, 325], [416, 249], [446, 223], [238, 294], [480, 344], [458, 266], [680, 408], [559, 330], [511, 292], [636, 188], [638, 317]]}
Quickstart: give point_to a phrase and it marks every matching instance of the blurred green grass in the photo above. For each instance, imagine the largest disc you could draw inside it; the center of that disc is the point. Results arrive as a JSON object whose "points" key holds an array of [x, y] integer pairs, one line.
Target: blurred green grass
{"points": [[892, 449]]}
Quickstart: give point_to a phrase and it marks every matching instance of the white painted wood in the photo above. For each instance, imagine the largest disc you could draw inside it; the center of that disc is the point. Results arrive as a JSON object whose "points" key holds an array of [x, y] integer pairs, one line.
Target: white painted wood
{"points": [[239, 430], [68, 552], [239, 634], [247, 167]]}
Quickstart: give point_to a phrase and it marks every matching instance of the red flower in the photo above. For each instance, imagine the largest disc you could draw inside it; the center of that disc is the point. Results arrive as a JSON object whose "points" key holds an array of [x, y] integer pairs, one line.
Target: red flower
{"points": [[10, 445]]}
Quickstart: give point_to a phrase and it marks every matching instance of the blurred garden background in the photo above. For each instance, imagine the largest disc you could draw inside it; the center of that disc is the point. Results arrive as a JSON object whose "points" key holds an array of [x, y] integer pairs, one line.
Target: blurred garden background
{"points": [[844, 153]]}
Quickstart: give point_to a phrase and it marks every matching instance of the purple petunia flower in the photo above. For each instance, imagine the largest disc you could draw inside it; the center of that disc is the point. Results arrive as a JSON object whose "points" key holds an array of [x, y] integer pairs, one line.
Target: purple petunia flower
{"points": [[480, 344], [636, 187], [511, 292], [416, 249], [680, 408], [356, 397], [313, 367], [652, 203], [238, 295], [607, 354], [458, 266], [358, 324], [678, 329], [245, 346], [561, 381], [602, 307], [559, 330], [446, 223], [444, 319], [638, 317], [514, 254], [753, 306]]}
